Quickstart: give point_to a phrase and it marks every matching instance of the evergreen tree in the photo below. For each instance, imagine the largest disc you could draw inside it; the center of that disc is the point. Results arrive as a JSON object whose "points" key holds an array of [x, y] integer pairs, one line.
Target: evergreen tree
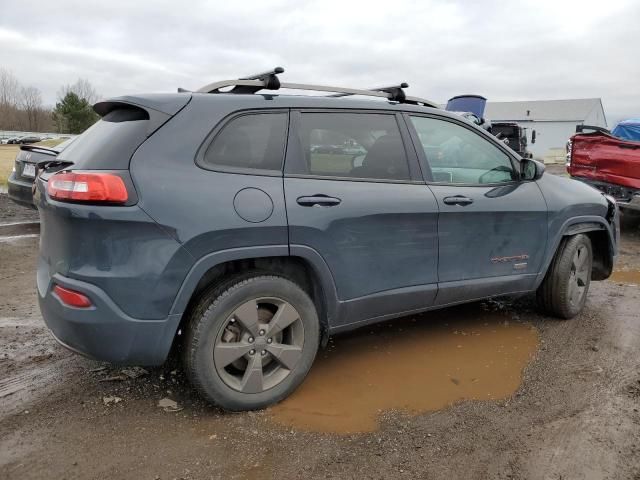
{"points": [[73, 114]]}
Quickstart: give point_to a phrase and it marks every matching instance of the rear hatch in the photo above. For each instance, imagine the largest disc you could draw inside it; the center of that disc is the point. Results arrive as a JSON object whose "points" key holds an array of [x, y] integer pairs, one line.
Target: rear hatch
{"points": [[87, 199]]}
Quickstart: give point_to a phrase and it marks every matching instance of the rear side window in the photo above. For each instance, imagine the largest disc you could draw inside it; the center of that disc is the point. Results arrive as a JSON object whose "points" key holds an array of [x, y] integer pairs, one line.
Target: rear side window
{"points": [[253, 141], [357, 145]]}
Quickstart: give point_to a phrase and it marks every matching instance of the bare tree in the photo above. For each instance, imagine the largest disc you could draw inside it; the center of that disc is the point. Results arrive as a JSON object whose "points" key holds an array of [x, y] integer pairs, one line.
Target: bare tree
{"points": [[9, 96], [83, 89], [9, 88], [31, 104]]}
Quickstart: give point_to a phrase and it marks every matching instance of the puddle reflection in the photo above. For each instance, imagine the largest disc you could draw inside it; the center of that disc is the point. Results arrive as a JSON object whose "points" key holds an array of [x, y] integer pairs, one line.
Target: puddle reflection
{"points": [[415, 365]]}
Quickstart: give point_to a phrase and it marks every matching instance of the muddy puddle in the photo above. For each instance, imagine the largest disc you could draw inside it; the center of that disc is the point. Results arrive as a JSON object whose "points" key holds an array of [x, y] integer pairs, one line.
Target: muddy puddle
{"points": [[626, 276], [415, 365]]}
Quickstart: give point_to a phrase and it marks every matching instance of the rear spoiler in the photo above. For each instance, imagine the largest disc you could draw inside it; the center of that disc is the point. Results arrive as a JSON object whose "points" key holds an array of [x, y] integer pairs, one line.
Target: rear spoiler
{"points": [[39, 149], [169, 104], [156, 108], [582, 128]]}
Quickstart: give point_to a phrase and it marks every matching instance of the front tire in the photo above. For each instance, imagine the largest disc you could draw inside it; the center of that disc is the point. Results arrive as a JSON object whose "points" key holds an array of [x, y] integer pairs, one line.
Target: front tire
{"points": [[251, 341], [563, 292]]}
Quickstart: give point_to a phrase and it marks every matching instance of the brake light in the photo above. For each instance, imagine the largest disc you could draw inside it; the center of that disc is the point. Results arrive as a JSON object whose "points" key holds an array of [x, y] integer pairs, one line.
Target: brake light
{"points": [[87, 187], [71, 297]]}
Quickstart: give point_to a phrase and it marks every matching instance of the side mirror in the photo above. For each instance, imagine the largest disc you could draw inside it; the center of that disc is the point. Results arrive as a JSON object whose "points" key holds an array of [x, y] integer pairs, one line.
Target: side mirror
{"points": [[531, 169], [533, 136]]}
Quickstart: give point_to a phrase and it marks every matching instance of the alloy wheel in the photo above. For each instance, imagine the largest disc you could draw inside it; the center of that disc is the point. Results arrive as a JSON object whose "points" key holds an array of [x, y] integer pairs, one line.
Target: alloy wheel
{"points": [[579, 275], [260, 343]]}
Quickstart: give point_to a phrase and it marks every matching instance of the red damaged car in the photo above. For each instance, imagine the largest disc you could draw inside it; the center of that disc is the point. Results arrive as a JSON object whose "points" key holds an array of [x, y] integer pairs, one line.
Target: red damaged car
{"points": [[609, 161]]}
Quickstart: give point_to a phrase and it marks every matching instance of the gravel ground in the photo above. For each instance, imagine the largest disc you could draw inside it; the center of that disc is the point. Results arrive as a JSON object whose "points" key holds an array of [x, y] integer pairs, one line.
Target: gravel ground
{"points": [[11, 212], [573, 414]]}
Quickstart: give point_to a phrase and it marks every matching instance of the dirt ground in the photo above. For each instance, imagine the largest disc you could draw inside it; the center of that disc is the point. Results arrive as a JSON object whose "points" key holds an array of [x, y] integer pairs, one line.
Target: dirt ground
{"points": [[487, 390]]}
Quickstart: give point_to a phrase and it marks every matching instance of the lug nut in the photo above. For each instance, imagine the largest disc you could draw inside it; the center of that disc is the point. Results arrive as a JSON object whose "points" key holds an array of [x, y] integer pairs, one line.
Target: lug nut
{"points": [[251, 339], [269, 340], [263, 353], [261, 332], [252, 352]]}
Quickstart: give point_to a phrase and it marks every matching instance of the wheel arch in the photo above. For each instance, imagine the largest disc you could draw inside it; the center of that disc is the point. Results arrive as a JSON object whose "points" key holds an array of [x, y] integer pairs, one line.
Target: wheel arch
{"points": [[602, 241], [303, 266]]}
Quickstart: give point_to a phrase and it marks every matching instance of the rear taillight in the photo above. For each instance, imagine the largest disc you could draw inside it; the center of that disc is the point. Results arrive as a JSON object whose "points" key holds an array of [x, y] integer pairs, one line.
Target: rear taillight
{"points": [[569, 148], [87, 187], [71, 297]]}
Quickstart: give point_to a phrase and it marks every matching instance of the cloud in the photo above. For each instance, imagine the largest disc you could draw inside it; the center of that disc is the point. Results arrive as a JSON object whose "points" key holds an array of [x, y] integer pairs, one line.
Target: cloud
{"points": [[504, 50]]}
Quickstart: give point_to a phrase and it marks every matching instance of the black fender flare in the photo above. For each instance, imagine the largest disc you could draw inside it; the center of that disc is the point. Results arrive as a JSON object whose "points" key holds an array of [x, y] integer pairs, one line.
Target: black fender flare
{"points": [[574, 226], [311, 256]]}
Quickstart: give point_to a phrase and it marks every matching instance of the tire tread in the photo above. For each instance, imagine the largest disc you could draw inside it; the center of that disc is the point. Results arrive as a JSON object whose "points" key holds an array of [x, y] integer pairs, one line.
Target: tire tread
{"points": [[552, 293], [209, 300]]}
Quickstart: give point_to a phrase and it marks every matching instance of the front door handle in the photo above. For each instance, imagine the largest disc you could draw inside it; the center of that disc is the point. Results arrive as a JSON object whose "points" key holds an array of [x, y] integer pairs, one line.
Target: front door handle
{"points": [[458, 200], [318, 200], [630, 147]]}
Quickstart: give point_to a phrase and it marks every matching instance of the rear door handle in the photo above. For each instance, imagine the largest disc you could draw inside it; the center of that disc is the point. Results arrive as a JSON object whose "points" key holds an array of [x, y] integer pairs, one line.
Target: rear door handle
{"points": [[458, 200], [630, 147], [318, 201]]}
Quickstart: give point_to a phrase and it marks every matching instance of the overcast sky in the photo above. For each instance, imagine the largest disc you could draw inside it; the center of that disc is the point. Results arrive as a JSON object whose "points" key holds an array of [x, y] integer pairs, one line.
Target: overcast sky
{"points": [[504, 50]]}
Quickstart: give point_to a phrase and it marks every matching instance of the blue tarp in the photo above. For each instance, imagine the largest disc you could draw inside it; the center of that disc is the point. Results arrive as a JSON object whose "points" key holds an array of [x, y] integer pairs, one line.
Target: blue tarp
{"points": [[628, 130], [467, 103]]}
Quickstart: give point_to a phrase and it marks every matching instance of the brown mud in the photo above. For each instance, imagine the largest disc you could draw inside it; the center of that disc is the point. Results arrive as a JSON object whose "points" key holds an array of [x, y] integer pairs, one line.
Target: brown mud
{"points": [[409, 366]]}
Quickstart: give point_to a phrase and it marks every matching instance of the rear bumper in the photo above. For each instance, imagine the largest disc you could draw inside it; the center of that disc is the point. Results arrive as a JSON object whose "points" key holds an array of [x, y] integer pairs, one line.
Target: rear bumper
{"points": [[103, 331], [20, 191]]}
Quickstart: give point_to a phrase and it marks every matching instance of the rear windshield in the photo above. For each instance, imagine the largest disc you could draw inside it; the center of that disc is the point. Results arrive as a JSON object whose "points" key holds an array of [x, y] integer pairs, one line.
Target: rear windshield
{"points": [[109, 143]]}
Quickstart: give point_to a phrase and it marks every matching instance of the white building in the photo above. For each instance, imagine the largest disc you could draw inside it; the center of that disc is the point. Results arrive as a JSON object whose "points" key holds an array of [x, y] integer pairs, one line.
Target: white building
{"points": [[553, 120]]}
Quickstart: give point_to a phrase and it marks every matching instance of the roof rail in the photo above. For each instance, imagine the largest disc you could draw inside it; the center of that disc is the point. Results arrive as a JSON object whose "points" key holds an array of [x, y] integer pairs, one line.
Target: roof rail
{"points": [[269, 81], [396, 92]]}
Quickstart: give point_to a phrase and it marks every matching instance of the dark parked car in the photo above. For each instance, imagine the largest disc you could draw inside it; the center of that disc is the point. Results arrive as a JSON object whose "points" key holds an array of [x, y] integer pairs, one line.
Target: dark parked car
{"points": [[204, 220], [24, 171], [28, 140]]}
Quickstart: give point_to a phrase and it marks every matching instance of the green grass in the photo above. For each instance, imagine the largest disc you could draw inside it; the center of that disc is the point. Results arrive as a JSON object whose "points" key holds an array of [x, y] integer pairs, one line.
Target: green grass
{"points": [[51, 143], [7, 156]]}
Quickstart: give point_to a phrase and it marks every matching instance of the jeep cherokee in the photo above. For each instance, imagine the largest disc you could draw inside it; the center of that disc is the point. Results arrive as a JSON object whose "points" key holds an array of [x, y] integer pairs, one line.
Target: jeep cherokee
{"points": [[247, 226]]}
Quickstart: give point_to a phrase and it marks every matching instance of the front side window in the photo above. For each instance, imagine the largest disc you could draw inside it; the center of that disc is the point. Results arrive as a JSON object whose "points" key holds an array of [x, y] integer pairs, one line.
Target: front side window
{"points": [[355, 145], [253, 141], [458, 155]]}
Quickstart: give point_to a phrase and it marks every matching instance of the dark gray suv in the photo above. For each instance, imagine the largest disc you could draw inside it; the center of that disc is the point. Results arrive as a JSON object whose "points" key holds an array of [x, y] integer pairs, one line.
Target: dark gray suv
{"points": [[247, 227]]}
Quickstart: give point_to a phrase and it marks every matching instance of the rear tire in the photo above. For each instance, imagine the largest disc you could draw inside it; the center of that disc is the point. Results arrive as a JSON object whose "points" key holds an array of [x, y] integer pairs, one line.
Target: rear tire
{"points": [[251, 341], [564, 289]]}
